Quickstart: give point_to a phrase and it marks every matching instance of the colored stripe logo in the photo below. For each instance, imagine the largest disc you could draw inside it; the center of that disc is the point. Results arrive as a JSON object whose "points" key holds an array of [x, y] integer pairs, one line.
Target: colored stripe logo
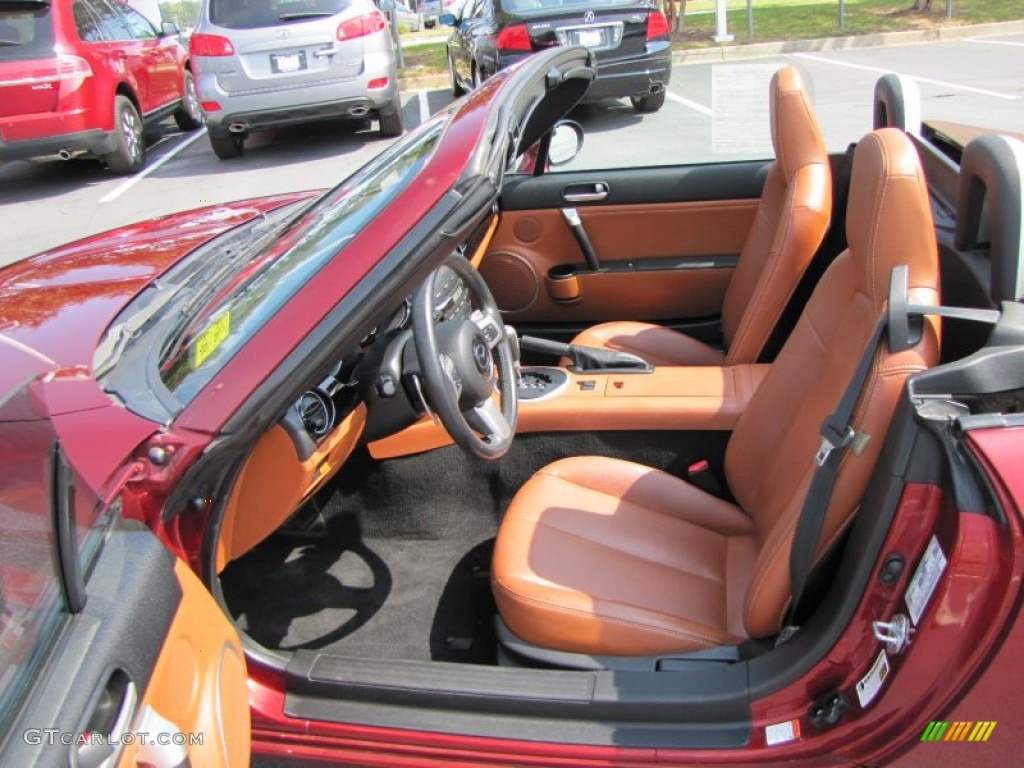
{"points": [[958, 731]]}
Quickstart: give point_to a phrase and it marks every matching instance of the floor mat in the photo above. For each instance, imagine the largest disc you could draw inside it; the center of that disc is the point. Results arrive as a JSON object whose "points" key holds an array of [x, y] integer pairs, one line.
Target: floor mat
{"points": [[400, 568], [419, 599]]}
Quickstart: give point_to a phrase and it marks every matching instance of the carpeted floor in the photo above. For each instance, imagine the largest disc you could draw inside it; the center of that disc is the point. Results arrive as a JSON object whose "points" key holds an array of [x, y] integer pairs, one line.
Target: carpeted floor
{"points": [[398, 564]]}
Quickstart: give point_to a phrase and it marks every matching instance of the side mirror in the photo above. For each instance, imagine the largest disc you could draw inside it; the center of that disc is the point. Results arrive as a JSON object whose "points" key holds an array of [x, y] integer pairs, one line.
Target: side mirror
{"points": [[169, 29], [566, 142], [448, 19], [386, 5]]}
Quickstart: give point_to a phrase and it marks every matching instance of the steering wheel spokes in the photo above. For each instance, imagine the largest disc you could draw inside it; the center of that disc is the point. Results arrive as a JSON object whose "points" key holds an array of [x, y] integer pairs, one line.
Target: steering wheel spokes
{"points": [[464, 362]]}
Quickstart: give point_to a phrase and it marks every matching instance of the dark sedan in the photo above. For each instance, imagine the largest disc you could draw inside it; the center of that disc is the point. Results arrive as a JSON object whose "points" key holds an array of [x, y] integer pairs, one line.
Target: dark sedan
{"points": [[630, 39]]}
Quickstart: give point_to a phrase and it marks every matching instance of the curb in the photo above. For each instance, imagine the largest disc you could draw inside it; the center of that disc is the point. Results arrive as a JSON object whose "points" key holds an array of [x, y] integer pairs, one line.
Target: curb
{"points": [[422, 82], [756, 50]]}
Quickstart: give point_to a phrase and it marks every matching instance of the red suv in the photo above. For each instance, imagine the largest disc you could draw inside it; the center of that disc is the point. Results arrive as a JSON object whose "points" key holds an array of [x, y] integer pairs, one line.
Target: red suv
{"points": [[86, 76]]}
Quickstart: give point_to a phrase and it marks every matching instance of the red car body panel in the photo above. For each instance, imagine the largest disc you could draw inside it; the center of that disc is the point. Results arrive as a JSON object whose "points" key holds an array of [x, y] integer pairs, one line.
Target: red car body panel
{"points": [[67, 297]]}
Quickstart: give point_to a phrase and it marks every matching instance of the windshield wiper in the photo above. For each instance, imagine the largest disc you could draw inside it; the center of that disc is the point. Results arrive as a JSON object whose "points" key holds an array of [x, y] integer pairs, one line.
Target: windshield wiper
{"points": [[116, 339], [303, 15]]}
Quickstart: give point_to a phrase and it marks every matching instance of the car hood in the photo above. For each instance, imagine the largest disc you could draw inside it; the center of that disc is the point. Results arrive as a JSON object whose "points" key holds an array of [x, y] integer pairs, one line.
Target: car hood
{"points": [[56, 305]]}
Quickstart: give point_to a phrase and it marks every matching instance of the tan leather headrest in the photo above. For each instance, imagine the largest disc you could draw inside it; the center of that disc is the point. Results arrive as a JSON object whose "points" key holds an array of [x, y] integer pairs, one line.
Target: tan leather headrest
{"points": [[889, 218], [796, 134]]}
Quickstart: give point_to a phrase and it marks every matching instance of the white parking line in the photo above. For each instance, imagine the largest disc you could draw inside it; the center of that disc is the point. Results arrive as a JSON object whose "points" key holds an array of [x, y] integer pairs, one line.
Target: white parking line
{"points": [[421, 96], [1015, 43], [883, 71], [129, 183], [691, 104]]}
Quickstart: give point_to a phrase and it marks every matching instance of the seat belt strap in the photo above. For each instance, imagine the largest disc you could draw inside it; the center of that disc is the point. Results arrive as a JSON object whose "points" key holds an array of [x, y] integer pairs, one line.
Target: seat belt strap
{"points": [[836, 434]]}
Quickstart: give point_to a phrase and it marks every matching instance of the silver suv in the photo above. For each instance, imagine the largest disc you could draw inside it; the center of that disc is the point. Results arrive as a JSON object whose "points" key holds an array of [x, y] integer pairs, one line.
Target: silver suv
{"points": [[260, 64]]}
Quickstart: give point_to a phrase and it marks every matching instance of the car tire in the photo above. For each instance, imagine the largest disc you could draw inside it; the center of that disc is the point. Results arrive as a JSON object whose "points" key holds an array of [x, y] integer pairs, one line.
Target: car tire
{"points": [[391, 124], [457, 89], [129, 153], [227, 146], [189, 115], [428, 24], [652, 102]]}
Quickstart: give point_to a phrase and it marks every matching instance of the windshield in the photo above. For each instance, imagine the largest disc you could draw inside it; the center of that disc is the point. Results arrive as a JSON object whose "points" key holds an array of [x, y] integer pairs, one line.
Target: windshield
{"points": [[253, 14], [243, 299], [547, 7]]}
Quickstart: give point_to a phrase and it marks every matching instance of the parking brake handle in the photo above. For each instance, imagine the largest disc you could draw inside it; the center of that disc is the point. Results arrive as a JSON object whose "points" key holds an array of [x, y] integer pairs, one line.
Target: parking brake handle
{"points": [[588, 359], [572, 217]]}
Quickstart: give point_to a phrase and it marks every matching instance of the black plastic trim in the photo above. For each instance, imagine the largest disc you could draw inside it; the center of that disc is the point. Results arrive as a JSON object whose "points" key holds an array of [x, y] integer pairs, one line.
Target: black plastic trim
{"points": [[669, 184]]}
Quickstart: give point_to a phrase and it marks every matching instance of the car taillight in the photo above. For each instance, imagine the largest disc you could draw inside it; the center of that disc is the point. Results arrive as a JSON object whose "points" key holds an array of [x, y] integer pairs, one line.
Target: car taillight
{"points": [[657, 25], [514, 38], [210, 45], [366, 24], [376, 83], [211, 106], [71, 73]]}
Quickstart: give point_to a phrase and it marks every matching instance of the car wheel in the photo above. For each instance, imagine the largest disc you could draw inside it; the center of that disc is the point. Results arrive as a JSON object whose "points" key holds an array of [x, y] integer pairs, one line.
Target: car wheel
{"points": [[391, 124], [428, 24], [227, 145], [189, 115], [652, 102], [129, 153], [457, 89]]}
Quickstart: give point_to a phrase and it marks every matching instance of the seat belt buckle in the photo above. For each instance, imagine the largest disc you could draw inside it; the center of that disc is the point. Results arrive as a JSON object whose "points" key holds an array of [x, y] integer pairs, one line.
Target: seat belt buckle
{"points": [[699, 474], [831, 440]]}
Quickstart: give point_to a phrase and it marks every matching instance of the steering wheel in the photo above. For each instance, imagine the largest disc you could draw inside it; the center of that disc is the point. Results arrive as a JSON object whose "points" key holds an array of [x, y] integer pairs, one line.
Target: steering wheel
{"points": [[457, 362]]}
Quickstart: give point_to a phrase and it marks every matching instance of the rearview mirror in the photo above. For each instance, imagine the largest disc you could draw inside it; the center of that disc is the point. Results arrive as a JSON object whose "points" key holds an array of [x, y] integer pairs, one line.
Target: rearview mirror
{"points": [[566, 142], [169, 29], [448, 19]]}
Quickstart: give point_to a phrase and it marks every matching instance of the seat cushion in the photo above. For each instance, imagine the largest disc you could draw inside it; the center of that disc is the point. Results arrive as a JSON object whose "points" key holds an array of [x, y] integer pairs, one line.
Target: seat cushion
{"points": [[602, 556], [655, 344]]}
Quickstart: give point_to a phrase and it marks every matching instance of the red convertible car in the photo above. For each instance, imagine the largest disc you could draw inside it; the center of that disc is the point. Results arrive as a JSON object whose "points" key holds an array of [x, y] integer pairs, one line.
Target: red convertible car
{"points": [[741, 485]]}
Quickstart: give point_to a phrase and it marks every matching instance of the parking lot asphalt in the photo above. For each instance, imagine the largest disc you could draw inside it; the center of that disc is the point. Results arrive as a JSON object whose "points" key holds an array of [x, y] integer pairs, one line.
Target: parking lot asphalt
{"points": [[978, 80]]}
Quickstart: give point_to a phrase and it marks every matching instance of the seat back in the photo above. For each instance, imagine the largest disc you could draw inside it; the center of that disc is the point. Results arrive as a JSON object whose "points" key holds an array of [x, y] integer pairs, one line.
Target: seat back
{"points": [[770, 458], [791, 222]]}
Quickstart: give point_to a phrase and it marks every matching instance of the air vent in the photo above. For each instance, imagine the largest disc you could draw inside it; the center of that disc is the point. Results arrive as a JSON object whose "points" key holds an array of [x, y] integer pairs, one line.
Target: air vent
{"points": [[317, 413]]}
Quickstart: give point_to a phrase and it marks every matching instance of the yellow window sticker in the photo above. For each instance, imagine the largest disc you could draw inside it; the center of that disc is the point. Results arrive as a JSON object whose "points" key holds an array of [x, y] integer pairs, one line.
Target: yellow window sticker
{"points": [[206, 343]]}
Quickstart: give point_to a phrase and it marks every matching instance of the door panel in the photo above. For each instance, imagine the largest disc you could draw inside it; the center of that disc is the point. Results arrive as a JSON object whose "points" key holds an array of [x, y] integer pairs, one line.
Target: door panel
{"points": [[104, 635], [150, 634], [198, 686], [666, 240], [664, 261]]}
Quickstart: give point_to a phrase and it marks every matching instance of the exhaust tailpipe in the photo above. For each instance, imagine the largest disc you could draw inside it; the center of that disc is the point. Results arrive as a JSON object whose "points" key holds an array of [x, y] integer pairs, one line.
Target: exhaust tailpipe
{"points": [[64, 154], [657, 88], [238, 127], [358, 111]]}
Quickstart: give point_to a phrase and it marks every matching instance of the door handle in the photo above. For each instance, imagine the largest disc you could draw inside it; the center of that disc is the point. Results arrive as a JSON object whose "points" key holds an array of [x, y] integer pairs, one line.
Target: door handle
{"points": [[111, 717], [585, 193]]}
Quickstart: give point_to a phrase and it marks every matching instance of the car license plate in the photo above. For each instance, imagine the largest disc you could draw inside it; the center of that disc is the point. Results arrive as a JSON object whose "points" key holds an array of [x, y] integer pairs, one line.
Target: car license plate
{"points": [[591, 38], [287, 62]]}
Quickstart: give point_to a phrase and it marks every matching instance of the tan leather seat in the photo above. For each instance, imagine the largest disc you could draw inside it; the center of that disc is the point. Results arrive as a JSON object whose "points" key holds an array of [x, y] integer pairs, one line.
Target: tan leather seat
{"points": [[792, 219], [602, 556]]}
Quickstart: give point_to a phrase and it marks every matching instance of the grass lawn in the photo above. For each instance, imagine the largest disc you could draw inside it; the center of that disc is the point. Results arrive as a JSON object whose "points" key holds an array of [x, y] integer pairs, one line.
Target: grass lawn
{"points": [[805, 19], [783, 20]]}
